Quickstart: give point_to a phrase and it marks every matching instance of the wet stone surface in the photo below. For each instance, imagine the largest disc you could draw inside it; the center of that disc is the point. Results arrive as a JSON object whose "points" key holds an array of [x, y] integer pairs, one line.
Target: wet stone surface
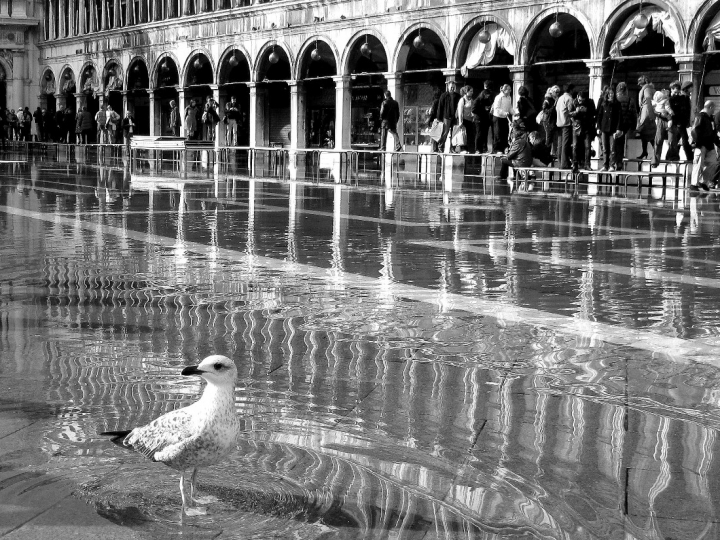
{"points": [[412, 364]]}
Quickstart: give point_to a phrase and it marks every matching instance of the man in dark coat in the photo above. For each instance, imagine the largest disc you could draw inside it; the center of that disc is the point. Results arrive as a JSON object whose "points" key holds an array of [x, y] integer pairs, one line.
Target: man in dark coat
{"points": [[389, 117], [481, 117], [680, 121], [705, 157], [447, 112]]}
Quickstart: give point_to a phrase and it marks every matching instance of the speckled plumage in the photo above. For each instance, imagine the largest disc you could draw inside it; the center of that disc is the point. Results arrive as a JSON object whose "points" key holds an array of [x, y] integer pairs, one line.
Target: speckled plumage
{"points": [[198, 435]]}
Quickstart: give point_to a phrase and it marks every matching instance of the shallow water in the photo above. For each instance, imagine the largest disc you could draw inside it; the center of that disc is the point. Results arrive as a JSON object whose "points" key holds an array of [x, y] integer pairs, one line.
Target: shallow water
{"points": [[412, 363]]}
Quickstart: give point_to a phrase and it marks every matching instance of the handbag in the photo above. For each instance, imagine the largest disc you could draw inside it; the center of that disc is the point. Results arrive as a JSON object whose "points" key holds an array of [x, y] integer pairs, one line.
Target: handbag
{"points": [[436, 130], [540, 118], [459, 136]]}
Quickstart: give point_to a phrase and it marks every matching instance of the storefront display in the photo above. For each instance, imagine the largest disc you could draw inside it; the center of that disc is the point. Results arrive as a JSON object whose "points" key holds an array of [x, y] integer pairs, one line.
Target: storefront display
{"points": [[365, 117]]}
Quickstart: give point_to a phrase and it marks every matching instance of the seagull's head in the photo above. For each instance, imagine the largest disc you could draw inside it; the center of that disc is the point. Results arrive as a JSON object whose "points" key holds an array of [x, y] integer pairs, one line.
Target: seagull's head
{"points": [[217, 369]]}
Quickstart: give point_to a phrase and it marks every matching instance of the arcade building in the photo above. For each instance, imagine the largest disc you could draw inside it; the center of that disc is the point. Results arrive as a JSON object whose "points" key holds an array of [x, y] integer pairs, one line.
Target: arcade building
{"points": [[312, 73]]}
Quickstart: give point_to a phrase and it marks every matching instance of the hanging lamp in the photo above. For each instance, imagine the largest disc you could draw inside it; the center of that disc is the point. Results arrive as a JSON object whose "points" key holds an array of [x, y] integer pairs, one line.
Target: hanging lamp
{"points": [[315, 55], [556, 29], [233, 61], [419, 42], [273, 58], [484, 35], [365, 50], [641, 20]]}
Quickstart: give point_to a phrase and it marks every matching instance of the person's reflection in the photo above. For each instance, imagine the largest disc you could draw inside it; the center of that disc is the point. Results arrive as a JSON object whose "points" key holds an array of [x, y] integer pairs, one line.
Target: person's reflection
{"points": [[694, 216]]}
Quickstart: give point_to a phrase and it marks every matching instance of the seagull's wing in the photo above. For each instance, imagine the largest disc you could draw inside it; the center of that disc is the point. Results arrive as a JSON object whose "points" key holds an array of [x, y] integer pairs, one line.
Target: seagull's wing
{"points": [[163, 437]]}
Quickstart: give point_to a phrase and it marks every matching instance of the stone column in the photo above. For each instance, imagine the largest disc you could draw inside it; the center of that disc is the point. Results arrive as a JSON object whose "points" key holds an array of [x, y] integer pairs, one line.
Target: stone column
{"points": [[596, 79], [18, 81], [520, 76], [4, 8], [81, 29], [257, 115], [61, 15], [80, 101], [60, 101], [394, 84], [181, 103], [297, 115], [343, 104], [51, 20], [126, 103], [155, 124], [690, 67]]}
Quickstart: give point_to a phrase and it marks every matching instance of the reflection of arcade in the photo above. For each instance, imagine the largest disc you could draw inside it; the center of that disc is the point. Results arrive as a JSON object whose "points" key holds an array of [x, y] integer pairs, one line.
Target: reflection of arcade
{"points": [[365, 116]]}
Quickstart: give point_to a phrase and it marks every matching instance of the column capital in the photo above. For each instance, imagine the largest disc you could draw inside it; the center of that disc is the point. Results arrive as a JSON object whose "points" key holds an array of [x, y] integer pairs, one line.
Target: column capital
{"points": [[58, 96], [519, 69], [213, 87], [392, 75], [294, 85], [251, 85], [687, 58]]}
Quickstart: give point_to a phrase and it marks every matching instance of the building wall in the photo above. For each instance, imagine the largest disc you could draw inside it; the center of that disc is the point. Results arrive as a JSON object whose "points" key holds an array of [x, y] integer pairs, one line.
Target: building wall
{"points": [[256, 30]]}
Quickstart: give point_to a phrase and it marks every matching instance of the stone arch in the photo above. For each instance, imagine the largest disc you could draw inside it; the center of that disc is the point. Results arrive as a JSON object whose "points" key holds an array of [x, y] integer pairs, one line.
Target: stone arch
{"points": [[48, 85], [156, 66], [188, 65], [90, 83], [468, 32], [135, 61], [118, 82], [621, 13], [299, 62], [67, 84], [259, 59], [351, 44], [423, 25], [226, 54], [522, 57], [704, 15]]}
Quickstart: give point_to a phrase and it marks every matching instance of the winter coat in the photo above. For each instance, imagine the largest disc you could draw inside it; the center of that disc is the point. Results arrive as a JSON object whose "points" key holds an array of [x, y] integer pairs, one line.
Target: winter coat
{"points": [[520, 151], [190, 119], [447, 106], [608, 119], [646, 123], [84, 122]]}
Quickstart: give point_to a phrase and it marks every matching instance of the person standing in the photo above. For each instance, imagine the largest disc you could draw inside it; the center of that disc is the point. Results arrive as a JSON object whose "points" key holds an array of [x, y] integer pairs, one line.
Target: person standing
{"points": [[481, 116], [663, 114], [447, 113], [128, 128], [389, 117], [563, 108], [48, 122], [12, 121], [210, 118], [502, 112], [27, 124], [465, 118], [60, 124], [84, 125], [39, 128], [628, 121], [706, 138], [101, 124], [69, 125], [112, 124], [579, 117], [608, 123], [174, 119], [646, 123], [549, 121], [232, 115], [680, 121], [190, 120]]}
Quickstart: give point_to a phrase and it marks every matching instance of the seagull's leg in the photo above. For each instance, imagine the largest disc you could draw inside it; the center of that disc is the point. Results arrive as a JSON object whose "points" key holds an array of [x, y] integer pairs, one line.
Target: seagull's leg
{"points": [[189, 510], [199, 500]]}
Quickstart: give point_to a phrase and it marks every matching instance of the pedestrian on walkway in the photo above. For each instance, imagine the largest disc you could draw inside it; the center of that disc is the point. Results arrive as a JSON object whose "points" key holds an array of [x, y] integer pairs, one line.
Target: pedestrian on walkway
{"points": [[549, 118], [174, 122], [646, 126], [69, 125], [128, 129], [190, 120], [39, 130], [705, 155], [210, 118], [389, 117], [482, 118], [628, 121], [465, 119], [608, 123], [680, 121], [447, 113], [563, 108], [663, 114], [101, 125], [232, 117], [502, 112], [84, 125]]}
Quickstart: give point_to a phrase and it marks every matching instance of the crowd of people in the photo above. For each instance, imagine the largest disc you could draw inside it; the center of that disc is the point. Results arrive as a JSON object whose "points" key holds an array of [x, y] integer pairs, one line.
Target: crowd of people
{"points": [[561, 130], [65, 126]]}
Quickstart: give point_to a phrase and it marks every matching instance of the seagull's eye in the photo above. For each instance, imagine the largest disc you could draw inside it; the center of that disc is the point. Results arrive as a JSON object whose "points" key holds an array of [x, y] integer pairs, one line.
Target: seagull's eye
{"points": [[218, 366]]}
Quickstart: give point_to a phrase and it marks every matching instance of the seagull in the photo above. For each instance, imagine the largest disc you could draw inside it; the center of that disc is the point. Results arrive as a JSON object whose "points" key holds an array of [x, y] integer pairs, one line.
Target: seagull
{"points": [[195, 436]]}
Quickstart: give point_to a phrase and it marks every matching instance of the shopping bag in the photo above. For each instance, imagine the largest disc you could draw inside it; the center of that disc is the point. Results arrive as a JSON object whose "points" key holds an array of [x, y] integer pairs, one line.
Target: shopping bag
{"points": [[459, 136], [435, 131]]}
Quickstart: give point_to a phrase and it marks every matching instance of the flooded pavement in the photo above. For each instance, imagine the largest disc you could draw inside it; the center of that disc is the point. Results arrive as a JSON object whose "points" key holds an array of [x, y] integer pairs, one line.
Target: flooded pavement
{"points": [[413, 364]]}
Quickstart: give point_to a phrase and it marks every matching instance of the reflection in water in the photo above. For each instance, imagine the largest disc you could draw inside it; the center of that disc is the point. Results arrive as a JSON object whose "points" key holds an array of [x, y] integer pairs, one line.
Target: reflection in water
{"points": [[364, 412]]}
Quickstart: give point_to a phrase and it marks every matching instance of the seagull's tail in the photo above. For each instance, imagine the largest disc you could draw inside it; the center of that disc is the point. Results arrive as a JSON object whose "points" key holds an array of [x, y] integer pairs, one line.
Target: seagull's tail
{"points": [[117, 436]]}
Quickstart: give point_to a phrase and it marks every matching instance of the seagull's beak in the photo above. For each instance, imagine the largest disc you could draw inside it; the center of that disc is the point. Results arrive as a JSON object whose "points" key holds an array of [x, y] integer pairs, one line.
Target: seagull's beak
{"points": [[192, 370]]}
